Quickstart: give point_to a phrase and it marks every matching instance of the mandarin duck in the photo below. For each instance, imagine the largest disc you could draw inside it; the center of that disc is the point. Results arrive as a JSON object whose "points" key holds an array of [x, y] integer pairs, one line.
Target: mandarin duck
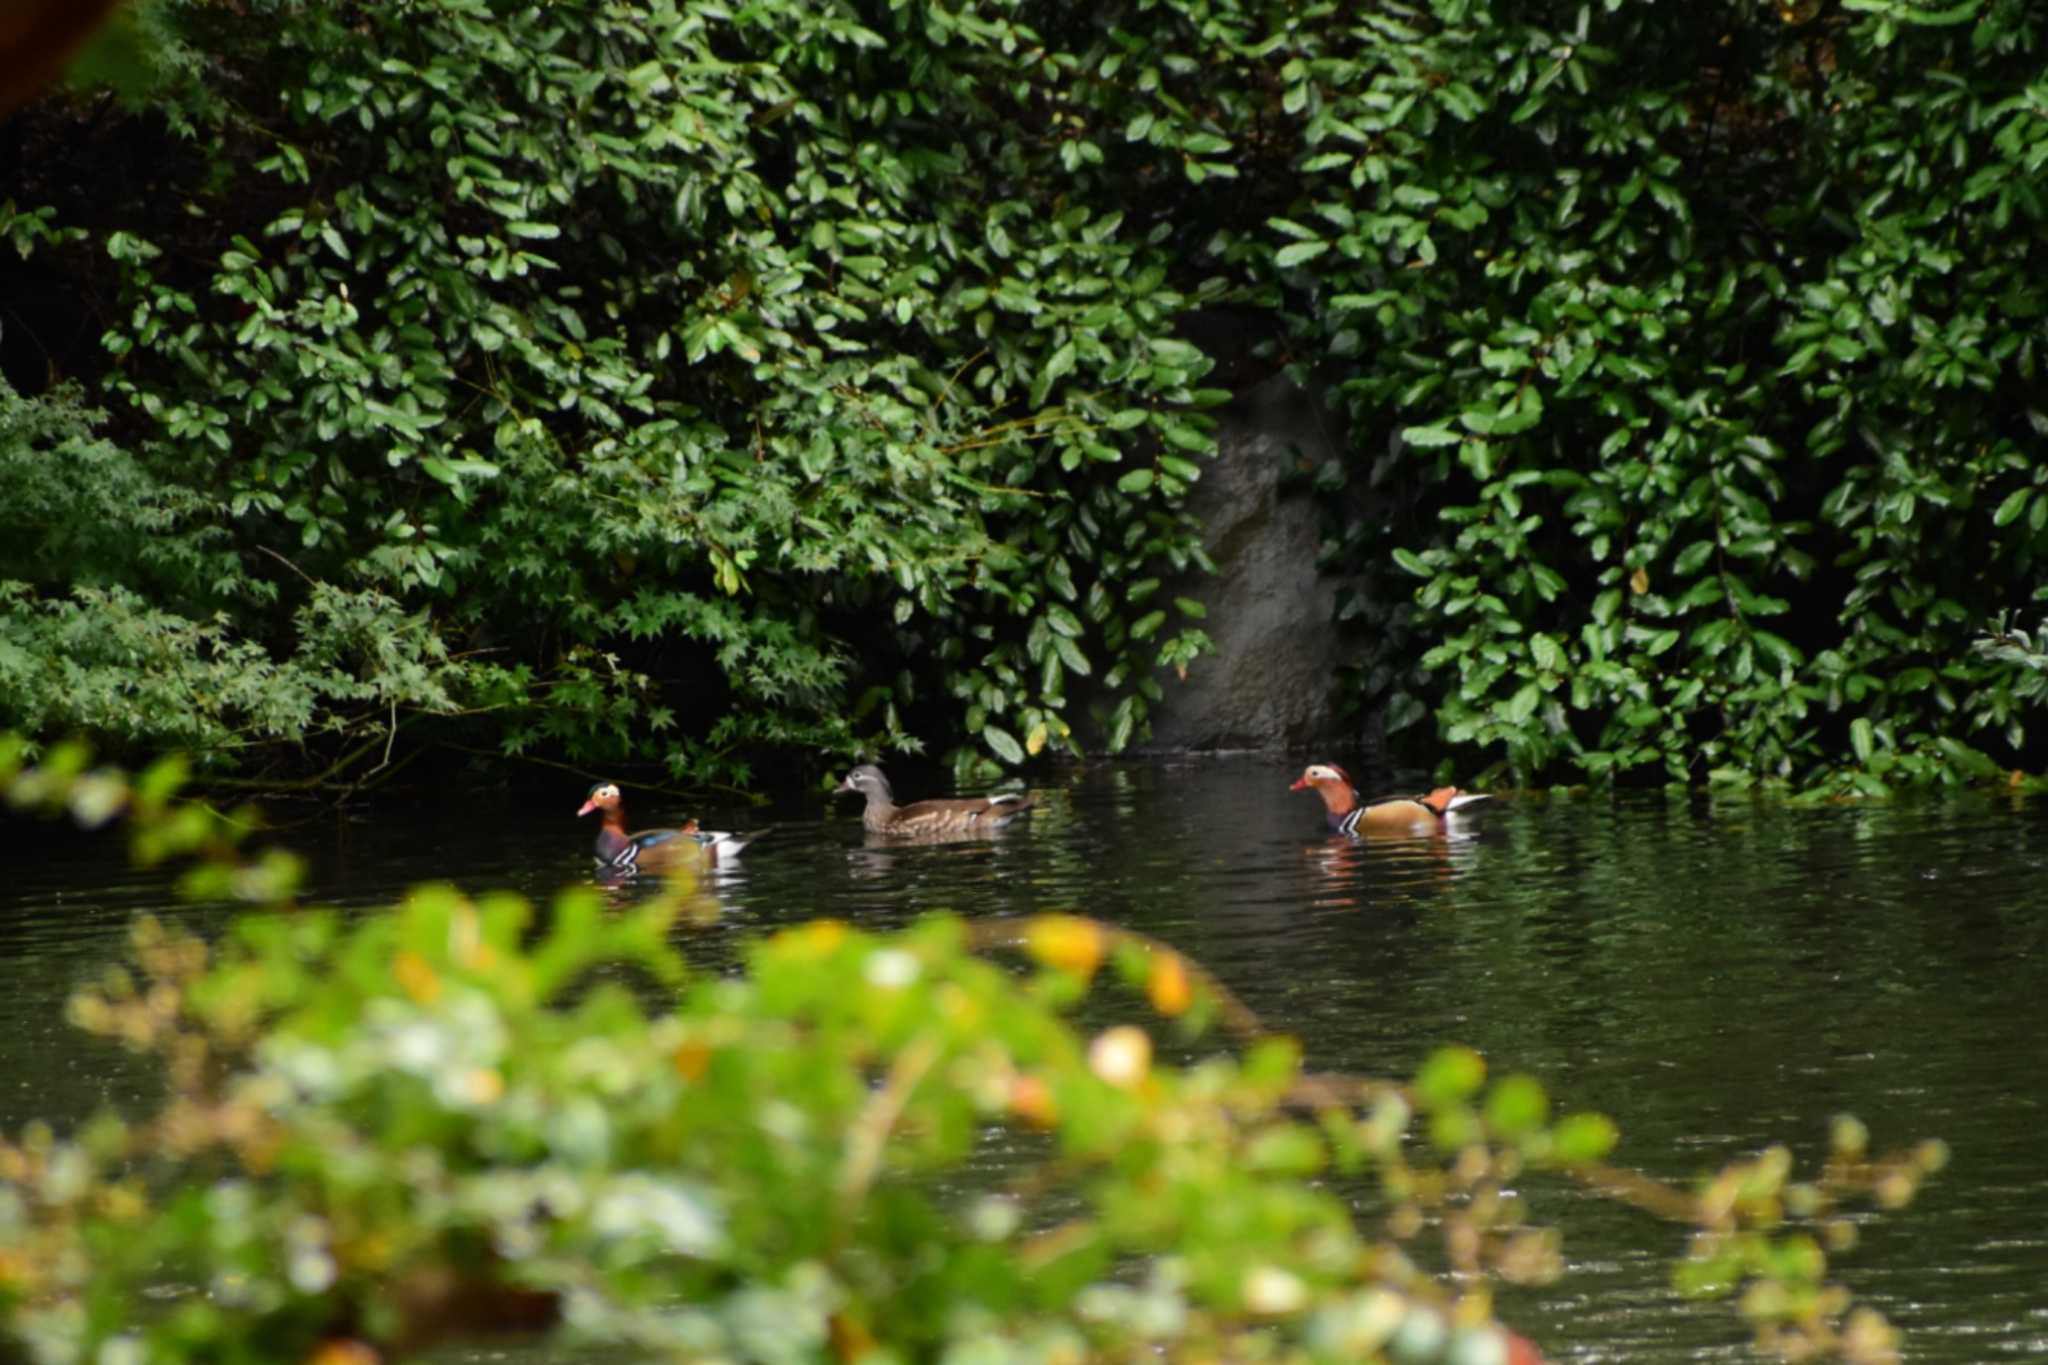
{"points": [[654, 850], [955, 816], [1347, 815]]}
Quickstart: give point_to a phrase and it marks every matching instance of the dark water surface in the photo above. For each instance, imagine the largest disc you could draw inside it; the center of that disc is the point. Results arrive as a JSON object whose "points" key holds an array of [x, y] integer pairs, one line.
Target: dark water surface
{"points": [[1715, 975]]}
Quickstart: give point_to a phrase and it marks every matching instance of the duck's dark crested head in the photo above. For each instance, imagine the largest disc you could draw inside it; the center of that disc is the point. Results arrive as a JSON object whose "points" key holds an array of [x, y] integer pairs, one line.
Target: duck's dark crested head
{"points": [[866, 779], [602, 796]]}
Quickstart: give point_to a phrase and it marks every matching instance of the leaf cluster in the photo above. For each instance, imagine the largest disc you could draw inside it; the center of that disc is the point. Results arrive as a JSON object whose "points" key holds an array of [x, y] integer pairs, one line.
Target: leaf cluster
{"points": [[667, 366], [1691, 361], [735, 377]]}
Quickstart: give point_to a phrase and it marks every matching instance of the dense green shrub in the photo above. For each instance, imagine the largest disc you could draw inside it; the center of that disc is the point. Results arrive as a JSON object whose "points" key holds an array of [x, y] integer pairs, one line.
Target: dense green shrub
{"points": [[113, 586], [761, 353], [1691, 355], [384, 1132], [809, 375]]}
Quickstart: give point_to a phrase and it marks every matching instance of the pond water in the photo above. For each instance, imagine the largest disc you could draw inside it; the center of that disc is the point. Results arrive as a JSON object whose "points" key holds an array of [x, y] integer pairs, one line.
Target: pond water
{"points": [[1714, 974]]}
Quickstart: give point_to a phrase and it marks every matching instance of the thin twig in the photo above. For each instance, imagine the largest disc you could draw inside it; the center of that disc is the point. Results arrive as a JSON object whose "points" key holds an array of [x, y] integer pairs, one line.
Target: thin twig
{"points": [[870, 1132], [1639, 1190], [289, 565]]}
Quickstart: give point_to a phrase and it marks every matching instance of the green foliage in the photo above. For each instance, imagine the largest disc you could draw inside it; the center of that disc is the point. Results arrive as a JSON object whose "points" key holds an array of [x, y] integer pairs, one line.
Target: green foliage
{"points": [[787, 375], [732, 348], [136, 52], [2021, 681], [385, 1132], [1691, 356], [113, 610], [81, 511]]}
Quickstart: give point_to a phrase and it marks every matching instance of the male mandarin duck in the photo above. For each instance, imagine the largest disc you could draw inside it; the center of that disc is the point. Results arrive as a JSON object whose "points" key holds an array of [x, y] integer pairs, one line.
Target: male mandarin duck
{"points": [[654, 850], [1347, 815], [961, 815]]}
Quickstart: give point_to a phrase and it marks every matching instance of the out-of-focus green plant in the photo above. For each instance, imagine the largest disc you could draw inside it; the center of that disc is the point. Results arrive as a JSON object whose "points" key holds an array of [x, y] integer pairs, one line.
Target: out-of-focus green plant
{"points": [[461, 1116]]}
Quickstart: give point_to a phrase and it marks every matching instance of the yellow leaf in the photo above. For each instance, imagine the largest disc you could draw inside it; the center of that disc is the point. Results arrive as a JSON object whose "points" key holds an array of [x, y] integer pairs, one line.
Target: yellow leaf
{"points": [[1167, 984], [483, 1085], [692, 1060], [1066, 942], [343, 1351], [821, 936], [416, 977]]}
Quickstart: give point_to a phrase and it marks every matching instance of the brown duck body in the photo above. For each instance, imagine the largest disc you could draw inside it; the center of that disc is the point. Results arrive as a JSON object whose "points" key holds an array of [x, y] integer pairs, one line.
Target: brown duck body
{"points": [[1346, 814], [957, 816]]}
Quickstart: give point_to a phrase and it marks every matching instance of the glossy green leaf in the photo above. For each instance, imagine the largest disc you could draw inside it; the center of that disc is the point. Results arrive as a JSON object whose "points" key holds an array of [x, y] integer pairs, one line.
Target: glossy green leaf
{"points": [[1003, 743]]}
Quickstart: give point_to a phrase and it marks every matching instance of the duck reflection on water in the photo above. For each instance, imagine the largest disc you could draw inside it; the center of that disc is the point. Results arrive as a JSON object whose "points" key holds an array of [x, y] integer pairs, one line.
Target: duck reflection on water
{"points": [[1359, 869]]}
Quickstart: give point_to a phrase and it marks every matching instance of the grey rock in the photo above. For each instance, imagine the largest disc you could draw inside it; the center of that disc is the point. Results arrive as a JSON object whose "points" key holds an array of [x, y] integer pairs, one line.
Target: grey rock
{"points": [[1272, 683]]}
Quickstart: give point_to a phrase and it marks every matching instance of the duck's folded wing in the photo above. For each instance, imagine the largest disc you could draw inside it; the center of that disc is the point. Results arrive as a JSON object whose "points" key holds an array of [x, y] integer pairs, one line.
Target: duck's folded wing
{"points": [[724, 844], [1007, 806], [956, 814]]}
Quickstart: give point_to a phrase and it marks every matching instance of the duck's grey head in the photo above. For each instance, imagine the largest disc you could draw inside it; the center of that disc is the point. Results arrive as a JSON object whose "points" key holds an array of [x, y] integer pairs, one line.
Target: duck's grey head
{"points": [[603, 796], [867, 779]]}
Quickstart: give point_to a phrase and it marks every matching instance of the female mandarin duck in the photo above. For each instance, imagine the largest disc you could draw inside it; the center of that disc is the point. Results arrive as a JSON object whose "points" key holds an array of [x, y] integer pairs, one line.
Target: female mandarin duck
{"points": [[961, 815], [1347, 816], [654, 850]]}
